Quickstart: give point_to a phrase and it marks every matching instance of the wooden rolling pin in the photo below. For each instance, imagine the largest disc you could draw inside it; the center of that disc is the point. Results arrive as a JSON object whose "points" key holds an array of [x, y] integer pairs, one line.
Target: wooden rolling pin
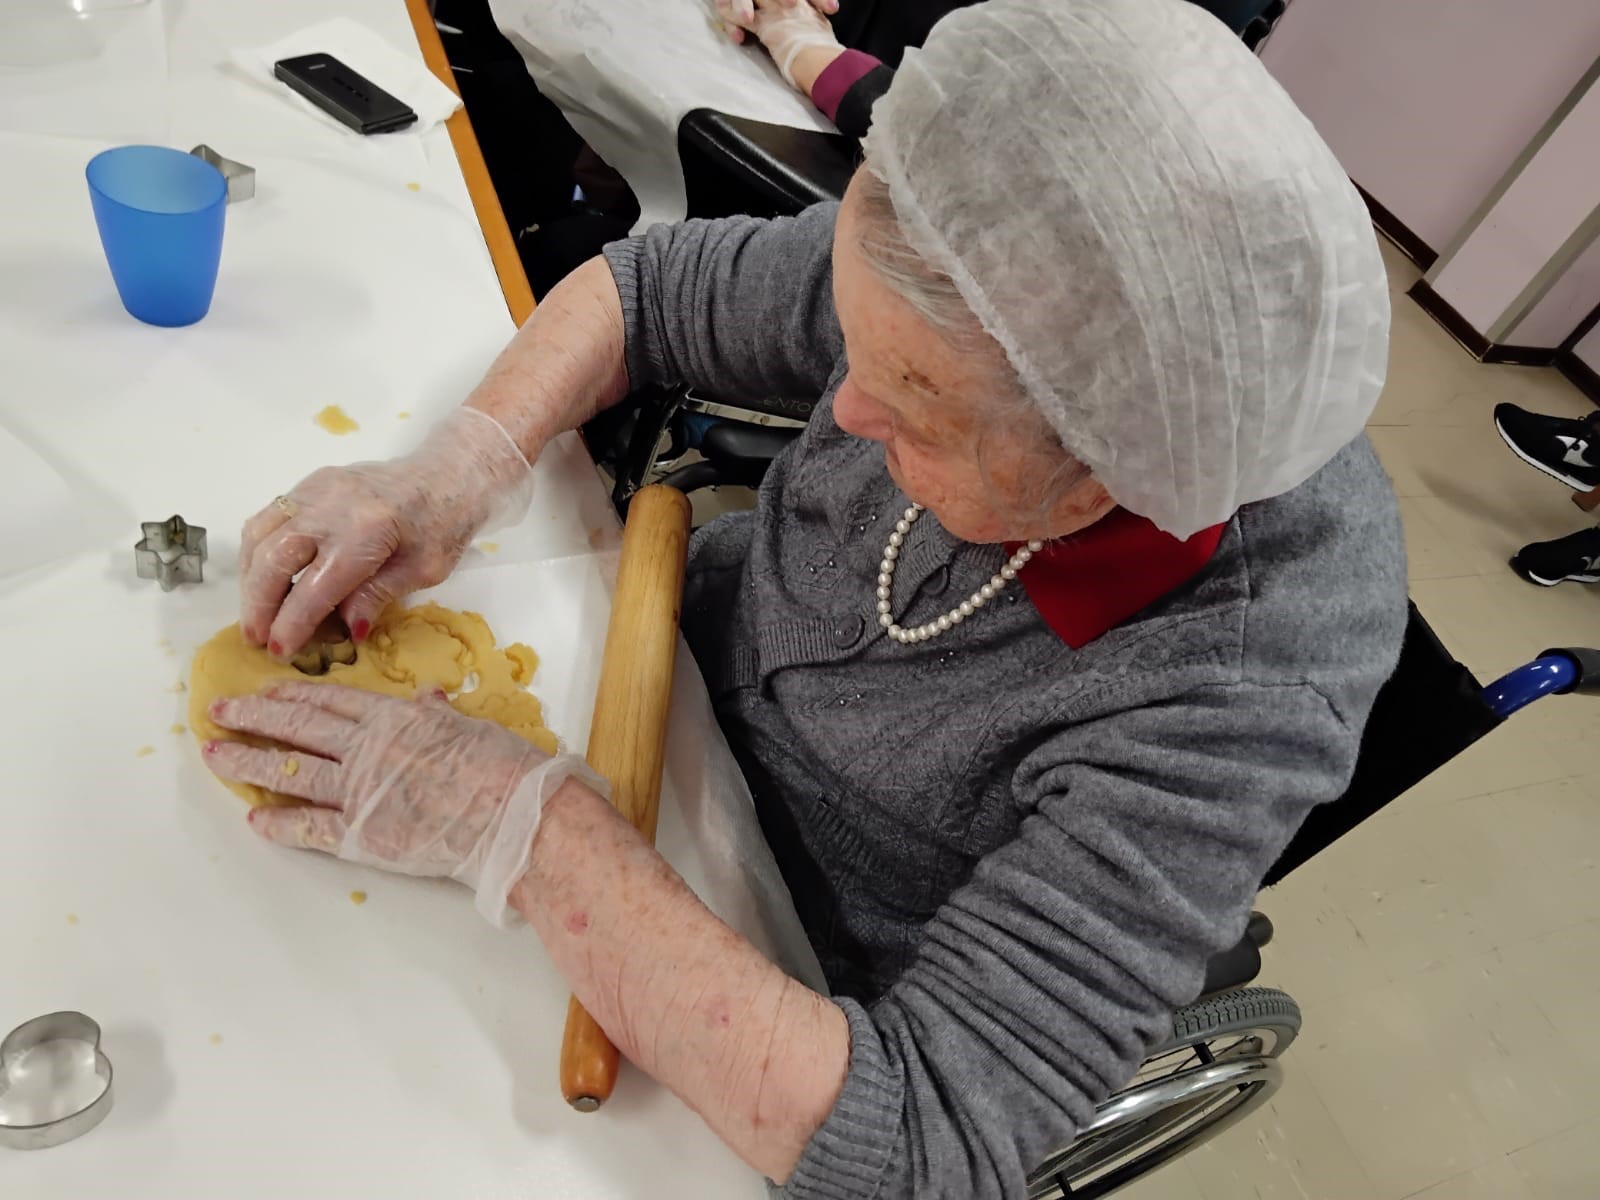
{"points": [[628, 737]]}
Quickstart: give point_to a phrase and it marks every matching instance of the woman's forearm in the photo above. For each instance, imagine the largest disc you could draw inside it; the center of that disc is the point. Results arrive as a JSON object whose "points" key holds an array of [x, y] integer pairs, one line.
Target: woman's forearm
{"points": [[761, 1057], [565, 364]]}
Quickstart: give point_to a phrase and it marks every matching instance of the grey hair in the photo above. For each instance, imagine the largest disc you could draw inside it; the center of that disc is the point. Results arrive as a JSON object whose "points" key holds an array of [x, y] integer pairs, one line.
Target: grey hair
{"points": [[934, 296], [929, 291]]}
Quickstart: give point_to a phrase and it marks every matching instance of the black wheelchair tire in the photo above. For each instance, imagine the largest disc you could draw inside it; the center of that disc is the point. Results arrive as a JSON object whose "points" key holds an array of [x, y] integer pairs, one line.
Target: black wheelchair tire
{"points": [[1234, 1011]]}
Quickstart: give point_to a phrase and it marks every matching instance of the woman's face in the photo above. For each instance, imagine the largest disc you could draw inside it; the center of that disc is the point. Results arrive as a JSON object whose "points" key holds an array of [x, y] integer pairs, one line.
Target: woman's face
{"points": [[925, 402]]}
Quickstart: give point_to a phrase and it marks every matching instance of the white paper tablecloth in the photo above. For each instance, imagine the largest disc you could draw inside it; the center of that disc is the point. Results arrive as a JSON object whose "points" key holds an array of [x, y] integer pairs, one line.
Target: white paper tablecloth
{"points": [[270, 1038]]}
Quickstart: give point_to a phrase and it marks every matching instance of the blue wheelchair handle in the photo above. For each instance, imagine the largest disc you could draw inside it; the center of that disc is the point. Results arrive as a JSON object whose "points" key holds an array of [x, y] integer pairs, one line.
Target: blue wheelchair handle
{"points": [[1554, 672]]}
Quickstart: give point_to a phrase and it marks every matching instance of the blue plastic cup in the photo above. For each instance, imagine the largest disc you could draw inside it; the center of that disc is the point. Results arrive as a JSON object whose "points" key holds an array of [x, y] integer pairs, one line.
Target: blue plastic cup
{"points": [[160, 216]]}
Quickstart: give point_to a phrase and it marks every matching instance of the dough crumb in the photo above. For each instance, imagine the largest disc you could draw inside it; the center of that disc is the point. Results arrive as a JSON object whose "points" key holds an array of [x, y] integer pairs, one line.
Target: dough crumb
{"points": [[164, 642], [216, 1039], [358, 897], [413, 187], [178, 688], [213, 858], [489, 547], [291, 766], [335, 420], [72, 918], [405, 416], [144, 751], [179, 727]]}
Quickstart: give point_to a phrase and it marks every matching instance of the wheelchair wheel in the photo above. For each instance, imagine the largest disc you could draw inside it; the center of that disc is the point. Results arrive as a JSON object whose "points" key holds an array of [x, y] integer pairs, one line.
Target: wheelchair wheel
{"points": [[1218, 1065]]}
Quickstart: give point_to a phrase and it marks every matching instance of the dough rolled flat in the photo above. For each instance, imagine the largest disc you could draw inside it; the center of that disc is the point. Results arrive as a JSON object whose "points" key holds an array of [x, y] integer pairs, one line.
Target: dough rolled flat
{"points": [[408, 651]]}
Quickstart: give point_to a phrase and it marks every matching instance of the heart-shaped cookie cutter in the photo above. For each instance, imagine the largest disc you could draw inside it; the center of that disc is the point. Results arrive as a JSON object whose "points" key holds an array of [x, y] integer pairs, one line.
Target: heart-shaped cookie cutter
{"points": [[55, 1081]]}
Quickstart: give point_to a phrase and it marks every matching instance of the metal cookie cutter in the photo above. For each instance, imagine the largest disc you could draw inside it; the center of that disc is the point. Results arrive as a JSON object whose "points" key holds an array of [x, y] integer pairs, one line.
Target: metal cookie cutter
{"points": [[55, 1081], [172, 551], [241, 178], [329, 646]]}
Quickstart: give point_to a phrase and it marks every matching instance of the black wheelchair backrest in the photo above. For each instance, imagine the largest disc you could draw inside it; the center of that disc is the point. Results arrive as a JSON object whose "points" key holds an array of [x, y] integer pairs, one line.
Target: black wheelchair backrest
{"points": [[1430, 711]]}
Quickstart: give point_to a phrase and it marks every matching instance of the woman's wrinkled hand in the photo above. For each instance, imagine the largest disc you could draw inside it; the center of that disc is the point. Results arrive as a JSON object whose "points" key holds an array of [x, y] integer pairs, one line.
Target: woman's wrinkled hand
{"points": [[354, 538], [407, 785], [784, 27]]}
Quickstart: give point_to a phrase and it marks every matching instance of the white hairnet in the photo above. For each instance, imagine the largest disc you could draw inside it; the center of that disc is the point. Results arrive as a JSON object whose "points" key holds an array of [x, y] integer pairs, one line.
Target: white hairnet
{"points": [[1180, 273]]}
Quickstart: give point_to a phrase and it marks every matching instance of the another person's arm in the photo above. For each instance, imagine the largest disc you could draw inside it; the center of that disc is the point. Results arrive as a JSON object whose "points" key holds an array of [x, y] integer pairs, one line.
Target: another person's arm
{"points": [[843, 83], [844, 86]]}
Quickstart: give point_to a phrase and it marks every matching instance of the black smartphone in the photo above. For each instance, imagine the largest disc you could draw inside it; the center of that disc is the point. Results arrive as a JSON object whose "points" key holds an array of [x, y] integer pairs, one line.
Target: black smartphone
{"points": [[343, 94]]}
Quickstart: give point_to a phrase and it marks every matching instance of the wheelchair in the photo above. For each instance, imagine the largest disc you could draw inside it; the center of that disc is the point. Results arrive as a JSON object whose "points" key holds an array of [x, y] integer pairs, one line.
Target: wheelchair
{"points": [[1221, 1061]]}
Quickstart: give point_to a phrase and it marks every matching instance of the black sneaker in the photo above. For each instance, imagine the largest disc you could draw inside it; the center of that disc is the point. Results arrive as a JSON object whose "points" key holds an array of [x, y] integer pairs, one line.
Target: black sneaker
{"points": [[1575, 557], [1563, 449]]}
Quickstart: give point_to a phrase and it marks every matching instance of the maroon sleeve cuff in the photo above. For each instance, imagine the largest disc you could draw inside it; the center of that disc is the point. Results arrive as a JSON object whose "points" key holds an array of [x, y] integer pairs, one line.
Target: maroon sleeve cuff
{"points": [[837, 79]]}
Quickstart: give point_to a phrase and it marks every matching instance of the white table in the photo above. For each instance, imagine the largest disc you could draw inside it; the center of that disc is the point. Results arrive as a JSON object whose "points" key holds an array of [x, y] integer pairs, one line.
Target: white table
{"points": [[270, 1038]]}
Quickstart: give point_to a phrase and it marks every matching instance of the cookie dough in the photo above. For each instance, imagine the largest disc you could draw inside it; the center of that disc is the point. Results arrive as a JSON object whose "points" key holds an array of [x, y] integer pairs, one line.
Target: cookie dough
{"points": [[409, 649]]}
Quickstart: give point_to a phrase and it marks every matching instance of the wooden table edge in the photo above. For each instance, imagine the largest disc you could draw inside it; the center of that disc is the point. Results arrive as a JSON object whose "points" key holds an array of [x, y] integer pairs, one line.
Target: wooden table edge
{"points": [[491, 217]]}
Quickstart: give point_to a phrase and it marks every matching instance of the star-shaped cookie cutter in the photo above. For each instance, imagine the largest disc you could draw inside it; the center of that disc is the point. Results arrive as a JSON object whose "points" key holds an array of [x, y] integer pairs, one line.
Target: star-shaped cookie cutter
{"points": [[171, 551], [241, 178]]}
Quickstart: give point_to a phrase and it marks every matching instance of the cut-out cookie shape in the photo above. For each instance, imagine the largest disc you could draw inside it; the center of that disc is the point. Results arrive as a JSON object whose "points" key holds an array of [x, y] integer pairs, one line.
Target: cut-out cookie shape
{"points": [[329, 646], [55, 1082]]}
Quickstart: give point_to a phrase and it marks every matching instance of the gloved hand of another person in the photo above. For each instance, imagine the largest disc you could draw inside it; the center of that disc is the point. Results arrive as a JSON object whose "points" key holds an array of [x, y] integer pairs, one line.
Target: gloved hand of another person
{"points": [[408, 785], [360, 536], [784, 27]]}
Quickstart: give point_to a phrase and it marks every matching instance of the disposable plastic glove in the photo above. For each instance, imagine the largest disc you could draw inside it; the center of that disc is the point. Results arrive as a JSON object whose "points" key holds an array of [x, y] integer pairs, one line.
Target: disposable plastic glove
{"points": [[784, 27], [407, 785], [363, 535]]}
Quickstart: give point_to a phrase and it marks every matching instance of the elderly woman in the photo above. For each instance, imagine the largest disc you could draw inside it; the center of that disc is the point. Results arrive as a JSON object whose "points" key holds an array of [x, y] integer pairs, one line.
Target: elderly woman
{"points": [[1040, 643]]}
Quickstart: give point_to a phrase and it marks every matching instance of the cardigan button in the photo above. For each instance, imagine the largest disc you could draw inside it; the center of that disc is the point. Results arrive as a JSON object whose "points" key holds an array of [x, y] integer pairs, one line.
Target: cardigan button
{"points": [[847, 631]]}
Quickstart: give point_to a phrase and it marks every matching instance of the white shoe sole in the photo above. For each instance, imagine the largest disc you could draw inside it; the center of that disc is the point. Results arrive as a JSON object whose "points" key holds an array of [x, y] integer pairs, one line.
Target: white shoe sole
{"points": [[1575, 484], [1543, 582]]}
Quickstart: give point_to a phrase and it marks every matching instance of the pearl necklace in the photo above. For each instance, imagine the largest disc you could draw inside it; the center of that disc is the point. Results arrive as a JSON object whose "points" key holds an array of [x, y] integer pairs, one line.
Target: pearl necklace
{"points": [[958, 614]]}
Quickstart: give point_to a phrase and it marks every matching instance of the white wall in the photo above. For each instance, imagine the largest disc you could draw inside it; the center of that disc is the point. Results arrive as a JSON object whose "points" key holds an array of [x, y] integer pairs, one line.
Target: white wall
{"points": [[1428, 102], [1553, 197], [1565, 305]]}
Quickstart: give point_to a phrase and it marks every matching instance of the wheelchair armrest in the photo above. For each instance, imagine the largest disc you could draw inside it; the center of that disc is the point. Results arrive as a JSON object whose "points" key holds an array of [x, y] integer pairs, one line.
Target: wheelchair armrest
{"points": [[742, 453], [791, 169], [1586, 662]]}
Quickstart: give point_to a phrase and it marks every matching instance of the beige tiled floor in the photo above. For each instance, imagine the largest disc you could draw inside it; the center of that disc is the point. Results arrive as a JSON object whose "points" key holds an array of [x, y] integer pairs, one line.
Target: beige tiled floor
{"points": [[1447, 953]]}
